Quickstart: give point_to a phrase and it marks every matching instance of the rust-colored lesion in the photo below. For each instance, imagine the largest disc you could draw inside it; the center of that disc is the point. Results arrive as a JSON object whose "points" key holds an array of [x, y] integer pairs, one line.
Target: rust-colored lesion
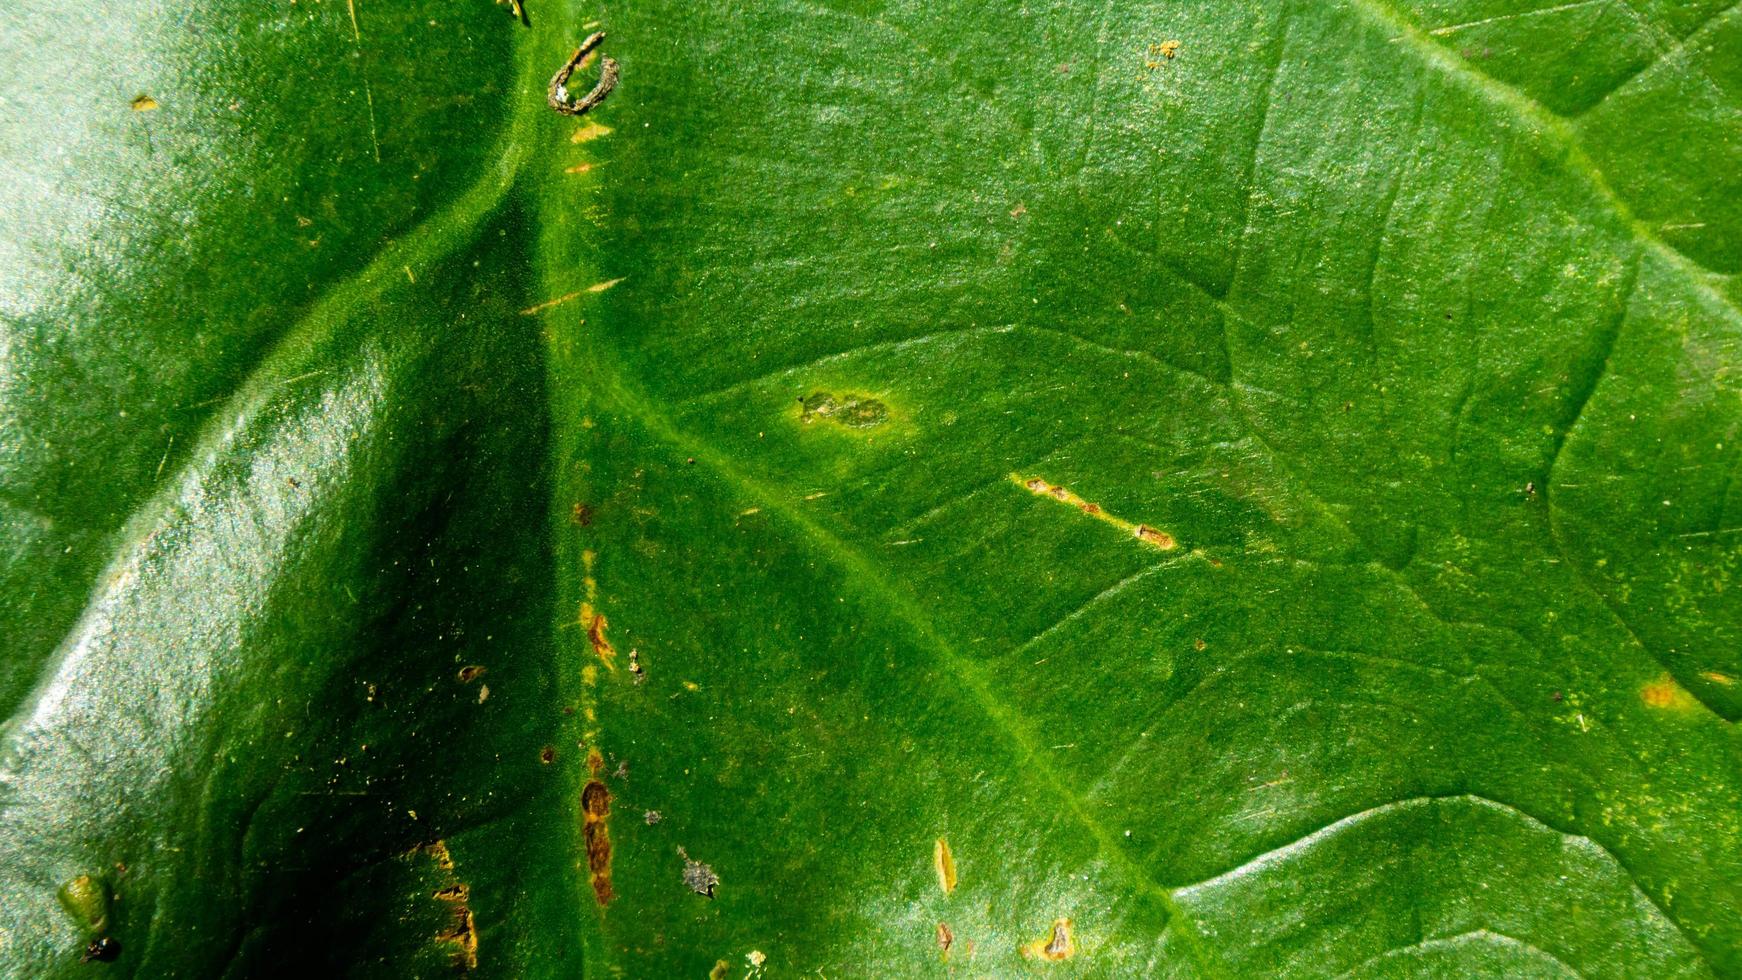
{"points": [[1149, 535], [596, 834]]}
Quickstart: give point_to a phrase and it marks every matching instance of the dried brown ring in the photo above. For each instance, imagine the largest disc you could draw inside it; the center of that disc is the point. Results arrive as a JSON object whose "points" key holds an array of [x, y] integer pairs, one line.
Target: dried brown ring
{"points": [[559, 91]]}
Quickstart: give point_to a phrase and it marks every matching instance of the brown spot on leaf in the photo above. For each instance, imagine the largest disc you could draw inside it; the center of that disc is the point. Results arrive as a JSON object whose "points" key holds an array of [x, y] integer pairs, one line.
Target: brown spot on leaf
{"points": [[1060, 945], [1142, 532], [1161, 539], [471, 673], [582, 514], [946, 938], [944, 863], [595, 809], [460, 932], [438, 852], [596, 626], [852, 411], [463, 935], [453, 893], [547, 755]]}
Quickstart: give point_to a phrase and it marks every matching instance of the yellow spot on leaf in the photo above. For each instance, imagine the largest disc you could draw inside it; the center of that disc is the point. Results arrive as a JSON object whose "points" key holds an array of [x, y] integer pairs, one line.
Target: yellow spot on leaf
{"points": [[144, 103], [945, 864], [600, 287], [1717, 678], [1665, 694]]}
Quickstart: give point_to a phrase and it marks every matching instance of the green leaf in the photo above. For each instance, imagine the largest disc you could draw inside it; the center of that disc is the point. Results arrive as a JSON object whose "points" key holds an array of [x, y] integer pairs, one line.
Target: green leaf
{"points": [[899, 489]]}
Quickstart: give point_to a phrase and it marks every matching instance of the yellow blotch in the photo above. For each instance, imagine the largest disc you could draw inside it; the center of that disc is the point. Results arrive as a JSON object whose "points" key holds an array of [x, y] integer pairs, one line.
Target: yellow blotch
{"points": [[144, 103]]}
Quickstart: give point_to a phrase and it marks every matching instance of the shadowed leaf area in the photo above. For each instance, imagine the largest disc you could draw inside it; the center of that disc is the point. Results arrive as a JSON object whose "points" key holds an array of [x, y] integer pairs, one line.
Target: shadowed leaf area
{"points": [[1178, 488]]}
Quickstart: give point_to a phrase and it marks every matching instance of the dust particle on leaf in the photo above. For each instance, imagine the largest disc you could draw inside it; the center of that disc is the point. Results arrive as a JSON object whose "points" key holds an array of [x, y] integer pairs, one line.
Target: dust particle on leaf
{"points": [[698, 877]]}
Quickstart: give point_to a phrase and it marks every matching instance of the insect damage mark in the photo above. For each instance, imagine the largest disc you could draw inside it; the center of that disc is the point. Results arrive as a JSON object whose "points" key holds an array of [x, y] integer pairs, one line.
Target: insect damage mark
{"points": [[944, 863], [1060, 945], [558, 93], [1153, 537], [852, 411], [595, 809]]}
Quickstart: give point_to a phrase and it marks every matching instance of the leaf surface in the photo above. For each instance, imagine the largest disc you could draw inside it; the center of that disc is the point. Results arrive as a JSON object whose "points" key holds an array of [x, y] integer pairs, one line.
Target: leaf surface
{"points": [[899, 489]]}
